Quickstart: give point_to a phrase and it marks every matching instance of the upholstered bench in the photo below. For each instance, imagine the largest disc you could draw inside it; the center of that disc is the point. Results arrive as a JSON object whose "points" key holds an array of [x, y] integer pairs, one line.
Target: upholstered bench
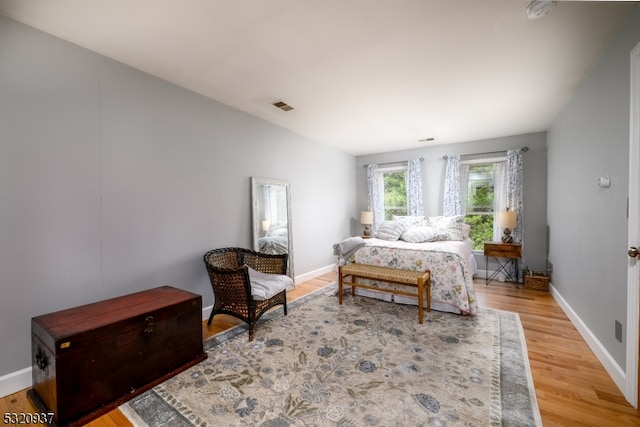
{"points": [[418, 279]]}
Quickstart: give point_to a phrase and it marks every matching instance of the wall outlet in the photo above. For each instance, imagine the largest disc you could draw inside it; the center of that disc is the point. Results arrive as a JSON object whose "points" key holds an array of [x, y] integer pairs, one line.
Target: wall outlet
{"points": [[618, 331]]}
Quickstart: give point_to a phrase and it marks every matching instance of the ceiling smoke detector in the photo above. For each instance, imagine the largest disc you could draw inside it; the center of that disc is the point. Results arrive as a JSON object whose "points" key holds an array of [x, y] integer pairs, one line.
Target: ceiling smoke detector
{"points": [[539, 8], [282, 105]]}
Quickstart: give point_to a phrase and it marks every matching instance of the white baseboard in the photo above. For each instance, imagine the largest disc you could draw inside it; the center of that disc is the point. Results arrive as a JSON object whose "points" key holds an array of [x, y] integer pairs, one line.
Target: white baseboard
{"points": [[315, 273], [15, 381], [613, 369], [206, 311]]}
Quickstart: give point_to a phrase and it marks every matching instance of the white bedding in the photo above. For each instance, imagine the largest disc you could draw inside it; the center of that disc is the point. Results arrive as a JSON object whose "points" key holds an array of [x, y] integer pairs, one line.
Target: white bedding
{"points": [[450, 262]]}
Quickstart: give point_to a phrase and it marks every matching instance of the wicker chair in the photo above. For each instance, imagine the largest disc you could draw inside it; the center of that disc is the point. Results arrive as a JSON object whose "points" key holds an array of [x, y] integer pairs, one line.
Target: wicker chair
{"points": [[229, 275]]}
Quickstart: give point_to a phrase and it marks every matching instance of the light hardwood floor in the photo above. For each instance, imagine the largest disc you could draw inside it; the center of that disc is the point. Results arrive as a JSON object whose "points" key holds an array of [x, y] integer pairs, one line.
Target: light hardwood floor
{"points": [[572, 387]]}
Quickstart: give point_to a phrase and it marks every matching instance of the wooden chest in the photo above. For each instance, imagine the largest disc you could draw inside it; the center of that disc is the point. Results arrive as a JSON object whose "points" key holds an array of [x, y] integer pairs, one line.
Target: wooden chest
{"points": [[90, 359]]}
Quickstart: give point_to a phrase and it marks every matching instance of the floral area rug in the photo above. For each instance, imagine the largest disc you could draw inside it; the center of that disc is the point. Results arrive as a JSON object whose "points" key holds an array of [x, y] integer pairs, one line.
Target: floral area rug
{"points": [[363, 363]]}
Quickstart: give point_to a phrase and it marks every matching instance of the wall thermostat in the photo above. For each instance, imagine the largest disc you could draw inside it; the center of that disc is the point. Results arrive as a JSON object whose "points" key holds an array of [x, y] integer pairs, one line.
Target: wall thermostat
{"points": [[604, 182]]}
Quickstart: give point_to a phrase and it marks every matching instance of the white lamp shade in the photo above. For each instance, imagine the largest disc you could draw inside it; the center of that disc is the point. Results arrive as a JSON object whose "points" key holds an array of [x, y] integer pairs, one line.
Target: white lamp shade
{"points": [[366, 217], [507, 219]]}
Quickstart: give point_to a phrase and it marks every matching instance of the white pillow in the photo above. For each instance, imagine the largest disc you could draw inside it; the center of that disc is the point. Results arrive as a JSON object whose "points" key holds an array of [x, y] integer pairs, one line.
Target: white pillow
{"points": [[410, 220], [391, 230], [446, 221], [420, 234], [449, 234], [449, 227], [265, 286], [466, 229]]}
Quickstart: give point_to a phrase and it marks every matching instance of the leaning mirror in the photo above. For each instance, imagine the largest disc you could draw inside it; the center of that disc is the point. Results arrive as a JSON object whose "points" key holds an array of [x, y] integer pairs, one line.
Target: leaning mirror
{"points": [[271, 201]]}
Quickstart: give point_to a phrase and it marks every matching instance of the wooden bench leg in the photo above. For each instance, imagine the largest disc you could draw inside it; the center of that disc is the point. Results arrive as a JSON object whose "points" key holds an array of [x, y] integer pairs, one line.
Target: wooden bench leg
{"points": [[429, 293], [423, 286], [339, 285], [420, 301]]}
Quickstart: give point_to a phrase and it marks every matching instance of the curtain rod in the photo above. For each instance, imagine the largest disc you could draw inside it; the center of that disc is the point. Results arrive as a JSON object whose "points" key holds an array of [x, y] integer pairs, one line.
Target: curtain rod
{"points": [[523, 149], [392, 163]]}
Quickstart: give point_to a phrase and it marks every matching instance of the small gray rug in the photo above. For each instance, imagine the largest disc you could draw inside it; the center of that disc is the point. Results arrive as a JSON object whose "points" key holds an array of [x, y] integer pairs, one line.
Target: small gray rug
{"points": [[365, 362]]}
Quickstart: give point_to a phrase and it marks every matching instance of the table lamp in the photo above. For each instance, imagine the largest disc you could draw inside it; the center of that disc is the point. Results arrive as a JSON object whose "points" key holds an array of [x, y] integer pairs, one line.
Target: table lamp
{"points": [[507, 220], [366, 219]]}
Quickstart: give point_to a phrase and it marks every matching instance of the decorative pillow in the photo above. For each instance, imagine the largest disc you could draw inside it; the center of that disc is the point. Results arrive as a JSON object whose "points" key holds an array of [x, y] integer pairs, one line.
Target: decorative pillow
{"points": [[466, 229], [411, 221], [448, 234], [265, 286], [446, 221], [449, 227], [391, 230], [420, 234]]}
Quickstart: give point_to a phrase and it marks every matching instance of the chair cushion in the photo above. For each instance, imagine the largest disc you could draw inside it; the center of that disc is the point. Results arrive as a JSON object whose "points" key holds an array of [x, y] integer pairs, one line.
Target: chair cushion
{"points": [[265, 286]]}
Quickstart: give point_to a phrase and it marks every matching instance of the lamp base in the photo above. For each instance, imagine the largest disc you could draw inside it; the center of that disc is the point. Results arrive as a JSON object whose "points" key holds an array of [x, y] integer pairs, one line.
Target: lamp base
{"points": [[507, 237], [367, 231]]}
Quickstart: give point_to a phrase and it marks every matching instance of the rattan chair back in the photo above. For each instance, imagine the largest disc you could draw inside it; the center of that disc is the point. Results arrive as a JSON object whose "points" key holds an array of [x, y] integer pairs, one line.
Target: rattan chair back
{"points": [[229, 276]]}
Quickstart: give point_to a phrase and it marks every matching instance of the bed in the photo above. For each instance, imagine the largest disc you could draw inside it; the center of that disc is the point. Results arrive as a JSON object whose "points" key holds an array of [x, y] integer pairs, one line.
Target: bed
{"points": [[439, 244], [276, 242], [274, 245]]}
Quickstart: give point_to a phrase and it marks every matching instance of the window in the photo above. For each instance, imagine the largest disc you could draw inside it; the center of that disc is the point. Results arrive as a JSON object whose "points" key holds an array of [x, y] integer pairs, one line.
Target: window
{"points": [[393, 185], [481, 198]]}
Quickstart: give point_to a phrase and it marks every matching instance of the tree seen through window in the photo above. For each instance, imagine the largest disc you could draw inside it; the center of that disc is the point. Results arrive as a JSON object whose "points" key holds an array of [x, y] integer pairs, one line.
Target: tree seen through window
{"points": [[480, 204], [395, 193]]}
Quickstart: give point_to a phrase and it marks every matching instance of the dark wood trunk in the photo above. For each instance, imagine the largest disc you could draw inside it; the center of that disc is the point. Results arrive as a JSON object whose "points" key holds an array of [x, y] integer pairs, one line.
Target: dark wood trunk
{"points": [[90, 359]]}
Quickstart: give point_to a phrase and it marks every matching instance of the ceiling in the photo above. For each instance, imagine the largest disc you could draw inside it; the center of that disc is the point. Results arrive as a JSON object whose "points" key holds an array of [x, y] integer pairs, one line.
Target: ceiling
{"points": [[364, 76]]}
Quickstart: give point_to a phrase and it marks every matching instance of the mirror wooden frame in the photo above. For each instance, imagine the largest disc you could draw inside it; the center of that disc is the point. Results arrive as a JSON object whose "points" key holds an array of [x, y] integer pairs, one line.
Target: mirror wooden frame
{"points": [[262, 223]]}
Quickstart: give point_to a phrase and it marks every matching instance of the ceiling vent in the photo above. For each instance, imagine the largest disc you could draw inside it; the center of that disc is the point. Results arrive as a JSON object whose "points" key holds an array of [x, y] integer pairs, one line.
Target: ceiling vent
{"points": [[282, 105]]}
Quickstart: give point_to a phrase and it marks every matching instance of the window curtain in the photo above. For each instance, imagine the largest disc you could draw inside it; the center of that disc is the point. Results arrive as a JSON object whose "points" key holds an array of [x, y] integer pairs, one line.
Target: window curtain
{"points": [[508, 193], [375, 198], [464, 187], [499, 196], [452, 195], [414, 188], [515, 185]]}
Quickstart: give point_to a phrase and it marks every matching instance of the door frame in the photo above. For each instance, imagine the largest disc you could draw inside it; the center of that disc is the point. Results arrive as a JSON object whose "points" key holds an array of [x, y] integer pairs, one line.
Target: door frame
{"points": [[633, 271]]}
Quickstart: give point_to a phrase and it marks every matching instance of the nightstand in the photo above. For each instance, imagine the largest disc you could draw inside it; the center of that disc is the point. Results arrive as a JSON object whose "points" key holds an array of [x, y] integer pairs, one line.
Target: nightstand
{"points": [[511, 253]]}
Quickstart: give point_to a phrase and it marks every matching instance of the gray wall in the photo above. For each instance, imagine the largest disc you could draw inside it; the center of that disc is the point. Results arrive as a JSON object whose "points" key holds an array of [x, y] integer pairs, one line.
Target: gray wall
{"points": [[433, 172], [588, 225], [113, 181]]}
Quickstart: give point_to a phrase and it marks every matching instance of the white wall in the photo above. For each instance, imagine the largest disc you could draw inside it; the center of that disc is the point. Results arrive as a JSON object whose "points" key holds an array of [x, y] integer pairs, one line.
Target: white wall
{"points": [[113, 181], [588, 224]]}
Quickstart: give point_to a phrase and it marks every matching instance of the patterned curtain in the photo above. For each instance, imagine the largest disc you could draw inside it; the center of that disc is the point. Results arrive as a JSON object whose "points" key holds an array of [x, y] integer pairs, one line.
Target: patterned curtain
{"points": [[414, 188], [452, 200], [515, 181], [375, 198], [499, 196], [464, 187]]}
